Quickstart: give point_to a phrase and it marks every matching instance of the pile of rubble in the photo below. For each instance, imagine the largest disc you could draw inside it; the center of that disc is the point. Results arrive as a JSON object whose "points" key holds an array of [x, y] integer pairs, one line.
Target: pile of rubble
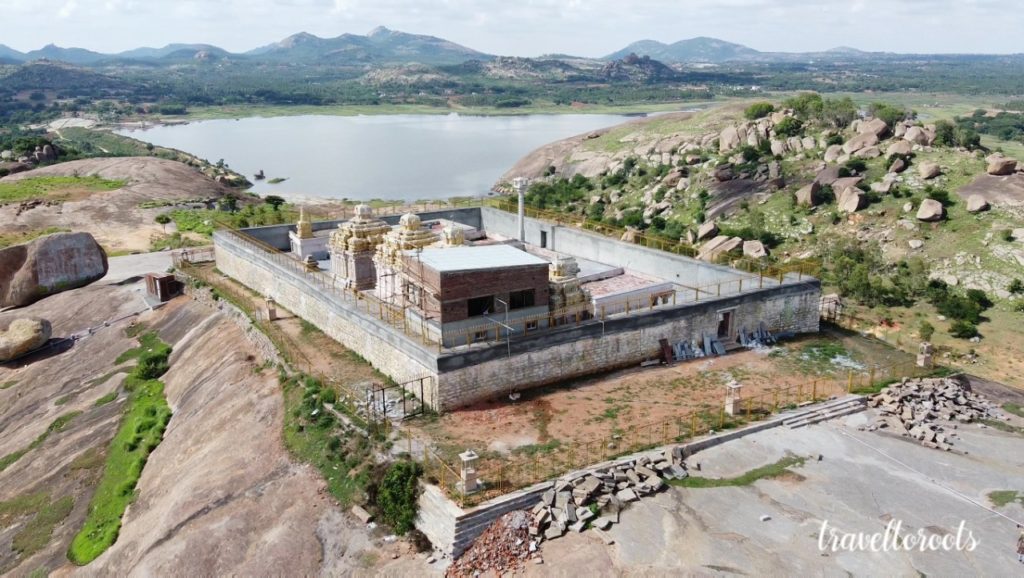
{"points": [[503, 548], [597, 497], [915, 408]]}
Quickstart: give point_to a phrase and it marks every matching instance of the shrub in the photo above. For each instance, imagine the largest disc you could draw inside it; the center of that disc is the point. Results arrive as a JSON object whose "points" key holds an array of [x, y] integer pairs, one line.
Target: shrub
{"points": [[1015, 287], [789, 127], [758, 110], [926, 330], [328, 395], [963, 329], [396, 497], [836, 139]]}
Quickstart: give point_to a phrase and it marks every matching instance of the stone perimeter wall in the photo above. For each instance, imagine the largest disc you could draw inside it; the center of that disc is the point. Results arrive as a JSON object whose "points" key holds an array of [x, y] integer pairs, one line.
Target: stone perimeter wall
{"points": [[388, 351], [789, 309], [465, 377]]}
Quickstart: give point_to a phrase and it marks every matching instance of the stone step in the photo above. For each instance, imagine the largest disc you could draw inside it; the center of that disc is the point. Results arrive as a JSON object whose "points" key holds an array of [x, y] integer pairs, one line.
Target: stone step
{"points": [[831, 413], [808, 411]]}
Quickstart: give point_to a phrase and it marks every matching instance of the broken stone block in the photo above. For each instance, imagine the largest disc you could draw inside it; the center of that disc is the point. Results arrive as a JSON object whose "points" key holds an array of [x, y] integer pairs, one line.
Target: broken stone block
{"points": [[602, 523], [627, 495], [361, 514]]}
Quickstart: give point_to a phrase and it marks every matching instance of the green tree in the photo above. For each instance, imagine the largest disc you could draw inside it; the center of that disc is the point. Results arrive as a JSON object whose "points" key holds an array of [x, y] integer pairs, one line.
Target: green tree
{"points": [[163, 219], [789, 126], [274, 201], [1016, 287], [963, 329]]}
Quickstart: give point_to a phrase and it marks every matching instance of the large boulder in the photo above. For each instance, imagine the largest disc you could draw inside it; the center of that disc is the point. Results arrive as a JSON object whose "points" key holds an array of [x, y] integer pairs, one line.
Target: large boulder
{"points": [[868, 153], [49, 265], [930, 210], [754, 249], [859, 142], [929, 170], [845, 183], [900, 147], [898, 166], [827, 175], [718, 246], [917, 135], [728, 139], [976, 204], [875, 126], [707, 230], [22, 335], [809, 196], [1001, 166], [833, 152], [851, 200]]}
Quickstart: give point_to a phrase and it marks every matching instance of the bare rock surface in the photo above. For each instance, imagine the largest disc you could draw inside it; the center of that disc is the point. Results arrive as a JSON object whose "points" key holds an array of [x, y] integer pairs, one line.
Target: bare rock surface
{"points": [[115, 218]]}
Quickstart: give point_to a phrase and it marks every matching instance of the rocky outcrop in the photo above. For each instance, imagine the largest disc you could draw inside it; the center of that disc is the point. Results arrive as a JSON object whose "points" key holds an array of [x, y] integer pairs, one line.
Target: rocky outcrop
{"points": [[859, 142], [809, 196], [832, 153], [707, 230], [929, 170], [851, 200], [930, 210], [900, 147], [754, 249], [719, 246], [875, 126], [976, 204], [729, 139], [22, 335], [49, 265], [1001, 166], [919, 136]]}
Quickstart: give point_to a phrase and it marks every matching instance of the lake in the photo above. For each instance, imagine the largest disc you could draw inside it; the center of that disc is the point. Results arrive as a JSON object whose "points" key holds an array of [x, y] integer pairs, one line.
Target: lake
{"points": [[407, 157]]}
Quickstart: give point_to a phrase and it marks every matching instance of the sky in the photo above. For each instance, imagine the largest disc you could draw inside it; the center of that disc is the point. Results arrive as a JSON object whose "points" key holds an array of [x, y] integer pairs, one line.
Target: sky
{"points": [[525, 27]]}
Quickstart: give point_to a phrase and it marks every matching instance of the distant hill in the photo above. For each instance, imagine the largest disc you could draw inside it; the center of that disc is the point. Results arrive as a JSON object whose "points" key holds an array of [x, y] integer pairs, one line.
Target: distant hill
{"points": [[47, 75], [701, 49], [638, 69], [380, 46], [171, 49], [8, 53], [71, 55]]}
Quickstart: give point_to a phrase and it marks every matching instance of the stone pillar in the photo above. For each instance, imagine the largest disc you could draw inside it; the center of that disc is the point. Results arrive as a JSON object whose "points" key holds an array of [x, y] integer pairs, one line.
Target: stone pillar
{"points": [[924, 355], [271, 309], [521, 183], [468, 484], [733, 398]]}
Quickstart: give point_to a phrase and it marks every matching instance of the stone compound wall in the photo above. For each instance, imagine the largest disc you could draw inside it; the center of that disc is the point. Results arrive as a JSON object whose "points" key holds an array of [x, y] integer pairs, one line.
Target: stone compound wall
{"points": [[624, 341], [463, 377], [387, 350]]}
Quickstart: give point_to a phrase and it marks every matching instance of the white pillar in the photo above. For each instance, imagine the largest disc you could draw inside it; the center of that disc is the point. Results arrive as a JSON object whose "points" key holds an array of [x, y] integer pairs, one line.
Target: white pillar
{"points": [[521, 183]]}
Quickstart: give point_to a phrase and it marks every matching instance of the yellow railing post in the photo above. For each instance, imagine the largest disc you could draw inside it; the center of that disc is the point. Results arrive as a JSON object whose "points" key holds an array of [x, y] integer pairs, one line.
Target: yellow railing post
{"points": [[849, 382], [693, 425]]}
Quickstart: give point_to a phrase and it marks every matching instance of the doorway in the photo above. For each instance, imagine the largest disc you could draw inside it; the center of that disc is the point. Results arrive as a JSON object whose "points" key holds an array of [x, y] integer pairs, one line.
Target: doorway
{"points": [[543, 239], [724, 324]]}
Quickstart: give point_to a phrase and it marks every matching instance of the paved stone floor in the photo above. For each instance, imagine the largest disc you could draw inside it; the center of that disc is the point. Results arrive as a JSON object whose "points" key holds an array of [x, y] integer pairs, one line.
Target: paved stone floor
{"points": [[863, 481]]}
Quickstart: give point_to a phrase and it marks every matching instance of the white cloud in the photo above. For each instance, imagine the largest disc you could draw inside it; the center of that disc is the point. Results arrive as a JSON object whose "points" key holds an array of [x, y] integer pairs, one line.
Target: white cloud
{"points": [[67, 9]]}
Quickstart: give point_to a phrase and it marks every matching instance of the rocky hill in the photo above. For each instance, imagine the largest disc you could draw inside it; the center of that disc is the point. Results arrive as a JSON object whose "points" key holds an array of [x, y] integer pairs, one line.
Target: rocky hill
{"points": [[916, 208], [700, 49]]}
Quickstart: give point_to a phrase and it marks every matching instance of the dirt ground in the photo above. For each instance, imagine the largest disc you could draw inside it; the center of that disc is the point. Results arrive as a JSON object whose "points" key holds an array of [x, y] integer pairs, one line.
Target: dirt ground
{"points": [[220, 495], [600, 408], [114, 218]]}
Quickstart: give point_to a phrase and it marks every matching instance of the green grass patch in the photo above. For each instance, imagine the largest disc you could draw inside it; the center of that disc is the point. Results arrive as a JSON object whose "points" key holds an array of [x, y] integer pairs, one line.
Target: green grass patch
{"points": [[57, 426], [535, 449], [769, 471], [54, 187], [8, 384], [276, 180], [1002, 498], [34, 535], [17, 238], [37, 533], [1013, 408], [141, 431], [64, 399], [11, 458], [106, 399], [1002, 426], [90, 459], [308, 328], [312, 435]]}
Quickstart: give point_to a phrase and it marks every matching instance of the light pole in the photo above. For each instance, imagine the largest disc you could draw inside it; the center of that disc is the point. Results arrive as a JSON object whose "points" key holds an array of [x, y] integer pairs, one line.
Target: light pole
{"points": [[521, 183]]}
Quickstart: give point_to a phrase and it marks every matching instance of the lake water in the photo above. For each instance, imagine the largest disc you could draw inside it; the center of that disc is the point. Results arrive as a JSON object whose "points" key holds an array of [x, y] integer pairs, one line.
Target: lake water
{"points": [[408, 157]]}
